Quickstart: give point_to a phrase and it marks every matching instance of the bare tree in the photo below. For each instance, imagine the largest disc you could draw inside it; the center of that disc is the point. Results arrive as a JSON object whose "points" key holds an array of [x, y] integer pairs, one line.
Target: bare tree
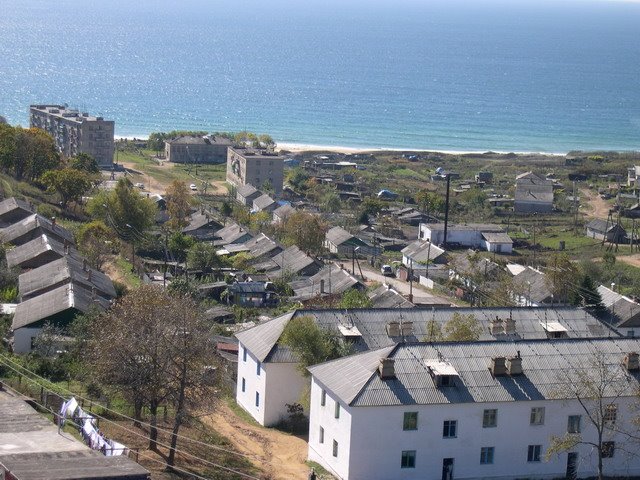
{"points": [[597, 387]]}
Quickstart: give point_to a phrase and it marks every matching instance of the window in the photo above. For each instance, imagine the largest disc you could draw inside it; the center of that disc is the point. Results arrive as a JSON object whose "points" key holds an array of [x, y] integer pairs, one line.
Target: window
{"points": [[244, 355], [611, 413], [573, 426], [258, 368], [410, 421], [533, 454], [244, 384], [608, 449], [449, 428], [490, 418], [323, 398], [630, 333], [537, 416], [321, 436], [336, 413], [408, 459], [486, 455], [257, 399], [335, 448]]}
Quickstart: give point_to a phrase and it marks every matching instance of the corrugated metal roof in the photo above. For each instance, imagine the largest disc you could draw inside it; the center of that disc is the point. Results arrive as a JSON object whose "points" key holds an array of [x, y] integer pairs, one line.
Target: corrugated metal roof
{"points": [[292, 260], [246, 190], [43, 245], [372, 324], [336, 280], [263, 201], [547, 367], [534, 284], [64, 270], [338, 236], [199, 220], [387, 297], [259, 340], [422, 251], [13, 209], [231, 234], [30, 227]]}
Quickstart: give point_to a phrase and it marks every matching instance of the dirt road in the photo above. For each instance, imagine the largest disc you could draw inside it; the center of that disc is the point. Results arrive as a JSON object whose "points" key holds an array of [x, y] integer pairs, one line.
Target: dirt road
{"points": [[595, 206], [281, 456]]}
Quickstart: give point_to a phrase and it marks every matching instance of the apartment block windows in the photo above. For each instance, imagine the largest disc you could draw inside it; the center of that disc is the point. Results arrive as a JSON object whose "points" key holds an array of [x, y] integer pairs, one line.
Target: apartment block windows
{"points": [[408, 459], [335, 448], [610, 413], [608, 448], [537, 416], [258, 365], [336, 412], [321, 436], [490, 418], [410, 421], [449, 428], [244, 384], [533, 453], [323, 398], [257, 399], [486, 455], [573, 425]]}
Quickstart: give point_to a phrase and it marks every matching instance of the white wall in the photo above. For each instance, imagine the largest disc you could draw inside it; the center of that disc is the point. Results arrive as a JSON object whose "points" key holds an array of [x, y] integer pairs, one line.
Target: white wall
{"points": [[338, 429], [378, 441], [470, 238], [278, 384], [22, 338]]}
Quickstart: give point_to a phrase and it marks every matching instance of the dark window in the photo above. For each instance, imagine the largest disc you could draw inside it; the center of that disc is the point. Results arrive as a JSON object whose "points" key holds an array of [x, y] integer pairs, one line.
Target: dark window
{"points": [[410, 421], [244, 355], [258, 368], [244, 384], [337, 411], [611, 413], [449, 428], [573, 425], [533, 453], [335, 448], [257, 399], [490, 418], [537, 416], [321, 436], [408, 459], [323, 398], [608, 449], [486, 455]]}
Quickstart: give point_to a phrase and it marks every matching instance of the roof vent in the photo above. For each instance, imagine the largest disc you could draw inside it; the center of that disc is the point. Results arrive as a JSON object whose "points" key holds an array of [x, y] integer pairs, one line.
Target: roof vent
{"points": [[509, 326], [496, 326], [393, 329], [631, 361], [514, 365], [498, 367], [386, 368], [407, 328]]}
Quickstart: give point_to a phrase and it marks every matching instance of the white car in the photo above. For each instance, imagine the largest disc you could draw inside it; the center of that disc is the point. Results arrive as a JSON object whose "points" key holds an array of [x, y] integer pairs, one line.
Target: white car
{"points": [[387, 271], [140, 185], [193, 187]]}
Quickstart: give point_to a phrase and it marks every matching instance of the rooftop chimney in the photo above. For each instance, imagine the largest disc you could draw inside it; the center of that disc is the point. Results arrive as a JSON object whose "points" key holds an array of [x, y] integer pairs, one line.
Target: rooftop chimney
{"points": [[53, 221], [514, 365], [509, 325], [497, 366], [393, 329], [385, 369], [495, 326], [631, 361], [407, 328]]}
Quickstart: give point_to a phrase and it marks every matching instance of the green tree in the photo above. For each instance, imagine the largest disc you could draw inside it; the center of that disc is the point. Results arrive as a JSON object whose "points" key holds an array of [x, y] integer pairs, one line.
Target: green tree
{"points": [[311, 344], [27, 153], [587, 295], [305, 230], [429, 202], [434, 332], [202, 256], [124, 210], [225, 209], [260, 220], [84, 162], [95, 242], [298, 178], [330, 203], [462, 328], [178, 205], [179, 245], [353, 298], [69, 183], [372, 206]]}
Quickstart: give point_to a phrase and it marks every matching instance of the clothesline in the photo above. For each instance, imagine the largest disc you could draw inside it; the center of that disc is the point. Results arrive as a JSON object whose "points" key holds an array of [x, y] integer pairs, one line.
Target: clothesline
{"points": [[87, 426]]}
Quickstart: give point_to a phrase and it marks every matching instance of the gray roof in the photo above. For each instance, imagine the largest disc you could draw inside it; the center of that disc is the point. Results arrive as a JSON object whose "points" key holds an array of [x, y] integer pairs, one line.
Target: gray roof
{"points": [[262, 245], [338, 236], [293, 260], [336, 280], [479, 227], [422, 251], [200, 220], [602, 226], [464, 264], [246, 190], [623, 312], [38, 251], [12, 210], [263, 201], [261, 338], [497, 237], [196, 140], [386, 297], [534, 285], [68, 297], [232, 233], [545, 365], [372, 325], [62, 271], [32, 448], [31, 227], [283, 211], [528, 192]]}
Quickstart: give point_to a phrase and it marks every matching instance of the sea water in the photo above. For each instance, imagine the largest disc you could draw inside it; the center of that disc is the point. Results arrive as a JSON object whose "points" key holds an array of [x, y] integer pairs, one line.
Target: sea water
{"points": [[514, 75]]}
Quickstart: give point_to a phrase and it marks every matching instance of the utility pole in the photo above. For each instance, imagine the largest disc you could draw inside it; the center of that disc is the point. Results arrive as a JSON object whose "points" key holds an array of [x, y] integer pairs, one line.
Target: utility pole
{"points": [[575, 210], [446, 211]]}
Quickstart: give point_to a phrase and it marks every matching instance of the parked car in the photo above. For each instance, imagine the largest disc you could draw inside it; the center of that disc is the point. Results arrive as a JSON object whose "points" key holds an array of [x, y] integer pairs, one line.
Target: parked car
{"points": [[387, 271], [140, 185], [193, 187]]}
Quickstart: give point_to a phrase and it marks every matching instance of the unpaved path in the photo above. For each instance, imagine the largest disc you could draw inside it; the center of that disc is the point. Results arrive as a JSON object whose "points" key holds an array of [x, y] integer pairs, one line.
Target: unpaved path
{"points": [[633, 260], [280, 456], [595, 206], [151, 184]]}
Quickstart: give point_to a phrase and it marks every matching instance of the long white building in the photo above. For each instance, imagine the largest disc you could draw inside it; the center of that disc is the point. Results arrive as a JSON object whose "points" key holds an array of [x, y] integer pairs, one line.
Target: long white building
{"points": [[268, 375], [481, 410]]}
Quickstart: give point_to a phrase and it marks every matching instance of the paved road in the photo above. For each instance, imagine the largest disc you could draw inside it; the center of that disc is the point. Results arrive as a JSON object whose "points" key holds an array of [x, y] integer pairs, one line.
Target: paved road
{"points": [[421, 294]]}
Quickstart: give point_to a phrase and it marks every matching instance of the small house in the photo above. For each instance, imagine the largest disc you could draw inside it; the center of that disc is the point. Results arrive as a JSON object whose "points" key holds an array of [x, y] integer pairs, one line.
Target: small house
{"points": [[13, 210], [253, 294], [246, 194], [339, 241], [202, 226], [264, 203], [603, 230]]}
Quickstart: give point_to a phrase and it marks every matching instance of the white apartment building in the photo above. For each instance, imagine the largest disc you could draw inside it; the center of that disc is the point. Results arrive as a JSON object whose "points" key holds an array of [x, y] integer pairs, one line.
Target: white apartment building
{"points": [[471, 411], [268, 374]]}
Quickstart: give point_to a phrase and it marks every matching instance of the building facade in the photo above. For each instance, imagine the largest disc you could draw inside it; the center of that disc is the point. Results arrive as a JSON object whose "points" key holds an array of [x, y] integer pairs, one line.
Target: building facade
{"points": [[492, 238], [195, 149], [255, 167], [75, 132], [436, 411]]}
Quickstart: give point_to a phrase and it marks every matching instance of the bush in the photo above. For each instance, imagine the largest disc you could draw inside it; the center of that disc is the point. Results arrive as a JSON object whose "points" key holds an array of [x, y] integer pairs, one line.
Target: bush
{"points": [[47, 210]]}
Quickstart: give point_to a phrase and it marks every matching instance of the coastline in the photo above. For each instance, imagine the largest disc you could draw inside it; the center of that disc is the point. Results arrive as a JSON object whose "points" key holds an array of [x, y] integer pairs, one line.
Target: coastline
{"points": [[347, 150]]}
